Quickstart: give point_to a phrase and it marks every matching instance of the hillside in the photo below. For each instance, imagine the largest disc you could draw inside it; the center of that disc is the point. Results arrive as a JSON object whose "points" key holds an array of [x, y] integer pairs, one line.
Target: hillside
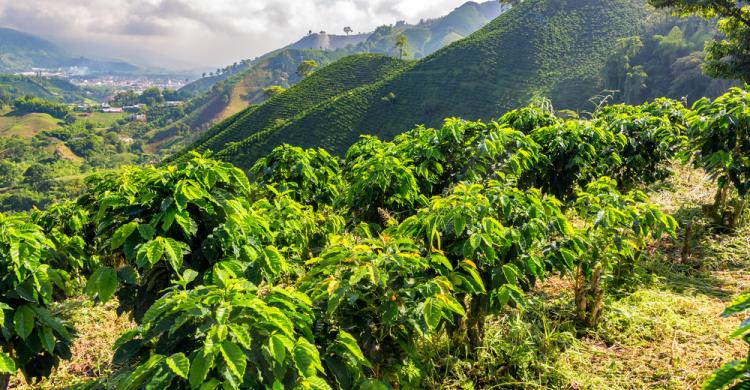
{"points": [[340, 77], [554, 49], [20, 51], [239, 90], [225, 93], [58, 90]]}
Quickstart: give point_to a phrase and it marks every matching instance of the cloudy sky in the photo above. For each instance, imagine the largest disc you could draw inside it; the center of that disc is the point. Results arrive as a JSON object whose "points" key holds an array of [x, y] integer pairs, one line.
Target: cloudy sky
{"points": [[200, 33]]}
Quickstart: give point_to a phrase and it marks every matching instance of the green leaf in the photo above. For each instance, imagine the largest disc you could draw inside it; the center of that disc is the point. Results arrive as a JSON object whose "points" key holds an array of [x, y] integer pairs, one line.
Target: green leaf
{"points": [[47, 338], [146, 231], [7, 365], [199, 368], [242, 335], [234, 358], [306, 358], [174, 250], [122, 234], [349, 343], [150, 252], [277, 347], [23, 321], [433, 312], [725, 375], [179, 364], [106, 283]]}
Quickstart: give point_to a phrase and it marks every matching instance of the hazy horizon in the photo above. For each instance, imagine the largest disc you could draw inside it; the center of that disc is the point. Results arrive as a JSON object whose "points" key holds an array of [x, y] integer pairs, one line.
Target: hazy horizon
{"points": [[184, 34]]}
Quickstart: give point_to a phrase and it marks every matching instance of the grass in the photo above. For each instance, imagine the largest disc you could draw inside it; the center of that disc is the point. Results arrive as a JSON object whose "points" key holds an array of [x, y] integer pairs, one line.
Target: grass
{"points": [[98, 327], [664, 333], [27, 125]]}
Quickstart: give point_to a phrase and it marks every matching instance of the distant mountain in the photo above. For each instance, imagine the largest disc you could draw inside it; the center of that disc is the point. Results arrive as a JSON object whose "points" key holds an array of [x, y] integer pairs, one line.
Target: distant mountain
{"points": [[556, 49], [20, 52], [233, 88]]}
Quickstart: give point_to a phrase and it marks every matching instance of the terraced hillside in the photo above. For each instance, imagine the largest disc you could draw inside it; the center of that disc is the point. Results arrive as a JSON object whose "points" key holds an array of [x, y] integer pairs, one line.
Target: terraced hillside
{"points": [[242, 89], [224, 94], [334, 80], [540, 48]]}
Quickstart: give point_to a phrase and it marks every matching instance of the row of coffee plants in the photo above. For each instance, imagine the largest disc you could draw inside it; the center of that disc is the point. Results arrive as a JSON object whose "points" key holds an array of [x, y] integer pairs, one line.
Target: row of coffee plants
{"points": [[319, 272]]}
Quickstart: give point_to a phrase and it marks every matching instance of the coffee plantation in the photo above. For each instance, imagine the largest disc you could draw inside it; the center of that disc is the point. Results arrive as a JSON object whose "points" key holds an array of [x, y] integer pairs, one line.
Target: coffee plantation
{"points": [[318, 272]]}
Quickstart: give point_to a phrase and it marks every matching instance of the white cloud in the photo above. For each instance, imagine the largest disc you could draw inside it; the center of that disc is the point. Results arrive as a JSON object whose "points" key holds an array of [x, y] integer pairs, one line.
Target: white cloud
{"points": [[202, 32]]}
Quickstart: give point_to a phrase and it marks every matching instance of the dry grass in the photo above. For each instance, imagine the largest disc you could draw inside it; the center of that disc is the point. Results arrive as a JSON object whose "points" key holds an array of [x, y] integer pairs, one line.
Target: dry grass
{"points": [[98, 327], [669, 333]]}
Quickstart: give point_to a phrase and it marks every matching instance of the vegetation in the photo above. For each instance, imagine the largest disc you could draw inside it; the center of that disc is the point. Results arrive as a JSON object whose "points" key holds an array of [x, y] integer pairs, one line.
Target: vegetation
{"points": [[569, 74], [728, 57], [321, 272]]}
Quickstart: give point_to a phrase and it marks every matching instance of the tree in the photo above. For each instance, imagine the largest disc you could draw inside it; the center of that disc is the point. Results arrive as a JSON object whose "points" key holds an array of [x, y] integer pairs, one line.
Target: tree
{"points": [[348, 30], [273, 90], [402, 44], [306, 67], [728, 58]]}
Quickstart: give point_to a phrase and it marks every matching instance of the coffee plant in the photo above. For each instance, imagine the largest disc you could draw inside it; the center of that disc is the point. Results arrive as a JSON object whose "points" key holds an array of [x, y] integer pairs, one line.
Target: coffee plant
{"points": [[319, 272], [720, 137], [33, 339]]}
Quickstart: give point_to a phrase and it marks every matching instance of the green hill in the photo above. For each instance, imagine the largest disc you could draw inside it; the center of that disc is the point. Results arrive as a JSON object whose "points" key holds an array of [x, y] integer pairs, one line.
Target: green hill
{"points": [[336, 79], [555, 49], [57, 90], [231, 89]]}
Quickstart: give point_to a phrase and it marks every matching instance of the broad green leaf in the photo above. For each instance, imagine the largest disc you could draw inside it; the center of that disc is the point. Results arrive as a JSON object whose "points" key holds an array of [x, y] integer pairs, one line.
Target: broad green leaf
{"points": [[7, 365], [122, 234], [106, 284], [306, 358], [179, 364], [199, 368], [23, 321], [433, 312], [277, 347], [174, 251], [234, 358]]}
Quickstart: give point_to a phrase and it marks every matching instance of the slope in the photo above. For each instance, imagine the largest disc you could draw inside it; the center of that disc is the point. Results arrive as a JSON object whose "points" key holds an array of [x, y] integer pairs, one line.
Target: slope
{"points": [[233, 88], [241, 90], [336, 79], [20, 51], [540, 48], [57, 90]]}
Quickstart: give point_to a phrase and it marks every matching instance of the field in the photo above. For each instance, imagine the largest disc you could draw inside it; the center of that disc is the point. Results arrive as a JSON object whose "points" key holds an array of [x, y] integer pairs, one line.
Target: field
{"points": [[665, 334], [27, 125]]}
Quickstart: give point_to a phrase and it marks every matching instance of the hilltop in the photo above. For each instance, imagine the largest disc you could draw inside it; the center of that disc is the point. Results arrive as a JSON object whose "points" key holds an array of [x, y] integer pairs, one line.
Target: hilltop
{"points": [[553, 49]]}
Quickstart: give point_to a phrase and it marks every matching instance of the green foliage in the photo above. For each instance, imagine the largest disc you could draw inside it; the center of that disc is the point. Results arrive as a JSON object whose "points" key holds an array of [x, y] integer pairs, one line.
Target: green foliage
{"points": [[312, 176], [306, 67], [728, 57], [655, 135], [33, 339], [734, 373], [608, 247], [229, 333], [386, 294], [28, 105], [720, 138], [151, 223]]}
